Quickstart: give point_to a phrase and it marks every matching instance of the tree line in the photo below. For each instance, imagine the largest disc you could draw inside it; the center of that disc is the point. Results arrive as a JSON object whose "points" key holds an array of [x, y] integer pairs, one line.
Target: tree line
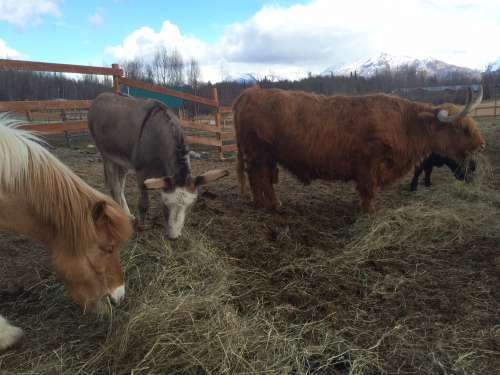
{"points": [[169, 69]]}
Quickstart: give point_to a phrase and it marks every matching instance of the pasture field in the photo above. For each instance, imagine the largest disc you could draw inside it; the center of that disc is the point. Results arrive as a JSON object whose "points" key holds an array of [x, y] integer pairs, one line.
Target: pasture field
{"points": [[316, 288]]}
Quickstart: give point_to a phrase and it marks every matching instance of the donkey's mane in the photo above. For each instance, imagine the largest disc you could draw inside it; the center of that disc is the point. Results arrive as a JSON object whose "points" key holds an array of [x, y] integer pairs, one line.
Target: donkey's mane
{"points": [[59, 198], [181, 149]]}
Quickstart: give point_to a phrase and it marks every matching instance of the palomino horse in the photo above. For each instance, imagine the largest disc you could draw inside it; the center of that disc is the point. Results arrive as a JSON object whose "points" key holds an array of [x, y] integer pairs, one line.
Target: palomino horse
{"points": [[84, 229]]}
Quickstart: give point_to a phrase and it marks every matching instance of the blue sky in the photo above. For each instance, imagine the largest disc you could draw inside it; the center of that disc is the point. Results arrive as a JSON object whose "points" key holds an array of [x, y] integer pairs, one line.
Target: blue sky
{"points": [[74, 36], [281, 37]]}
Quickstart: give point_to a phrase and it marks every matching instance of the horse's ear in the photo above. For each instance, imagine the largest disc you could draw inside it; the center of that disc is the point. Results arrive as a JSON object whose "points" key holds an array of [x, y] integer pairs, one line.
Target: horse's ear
{"points": [[210, 176], [99, 211], [159, 183]]}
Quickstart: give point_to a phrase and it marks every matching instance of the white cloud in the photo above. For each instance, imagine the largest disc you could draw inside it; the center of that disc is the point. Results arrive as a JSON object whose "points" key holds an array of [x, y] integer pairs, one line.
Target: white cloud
{"points": [[143, 42], [27, 12], [291, 41], [97, 19], [7, 52]]}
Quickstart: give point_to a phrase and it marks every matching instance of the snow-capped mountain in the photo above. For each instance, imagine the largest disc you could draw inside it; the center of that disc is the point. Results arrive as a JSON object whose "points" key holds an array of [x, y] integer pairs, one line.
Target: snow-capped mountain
{"points": [[385, 61], [246, 78], [251, 78], [493, 67]]}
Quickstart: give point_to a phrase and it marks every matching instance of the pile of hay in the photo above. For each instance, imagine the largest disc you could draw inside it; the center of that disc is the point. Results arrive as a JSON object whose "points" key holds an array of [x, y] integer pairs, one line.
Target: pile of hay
{"points": [[412, 288]]}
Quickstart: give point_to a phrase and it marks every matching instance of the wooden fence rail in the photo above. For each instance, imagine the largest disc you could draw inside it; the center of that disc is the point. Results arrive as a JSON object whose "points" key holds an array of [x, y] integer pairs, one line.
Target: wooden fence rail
{"points": [[487, 111], [36, 66], [51, 122], [168, 92], [23, 106], [53, 128]]}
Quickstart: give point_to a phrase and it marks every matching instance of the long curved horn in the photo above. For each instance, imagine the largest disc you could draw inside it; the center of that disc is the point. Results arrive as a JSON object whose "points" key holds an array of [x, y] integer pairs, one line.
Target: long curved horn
{"points": [[469, 107]]}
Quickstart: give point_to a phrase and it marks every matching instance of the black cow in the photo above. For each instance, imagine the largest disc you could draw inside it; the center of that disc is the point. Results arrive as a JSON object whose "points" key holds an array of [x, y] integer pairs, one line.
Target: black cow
{"points": [[435, 160]]}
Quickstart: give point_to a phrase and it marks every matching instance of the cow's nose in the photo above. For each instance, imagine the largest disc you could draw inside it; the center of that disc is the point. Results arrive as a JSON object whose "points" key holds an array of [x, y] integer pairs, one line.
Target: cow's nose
{"points": [[483, 146], [118, 295]]}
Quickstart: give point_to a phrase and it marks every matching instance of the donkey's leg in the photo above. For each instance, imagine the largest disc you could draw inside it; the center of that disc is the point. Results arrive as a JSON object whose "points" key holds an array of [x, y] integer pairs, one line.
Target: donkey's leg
{"points": [[115, 180], [143, 203], [9, 334], [123, 180]]}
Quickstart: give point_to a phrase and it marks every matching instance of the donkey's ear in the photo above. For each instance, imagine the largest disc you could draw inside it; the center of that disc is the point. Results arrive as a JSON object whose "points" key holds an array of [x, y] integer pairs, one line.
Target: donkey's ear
{"points": [[99, 211], [210, 176], [159, 183]]}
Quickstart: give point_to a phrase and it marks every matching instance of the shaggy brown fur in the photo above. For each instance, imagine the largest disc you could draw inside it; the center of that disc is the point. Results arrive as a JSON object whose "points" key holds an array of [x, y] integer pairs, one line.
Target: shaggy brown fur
{"points": [[42, 198], [372, 140]]}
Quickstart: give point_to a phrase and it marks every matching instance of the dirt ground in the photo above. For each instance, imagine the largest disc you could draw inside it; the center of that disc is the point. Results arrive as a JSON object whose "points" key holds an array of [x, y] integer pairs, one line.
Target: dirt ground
{"points": [[425, 301]]}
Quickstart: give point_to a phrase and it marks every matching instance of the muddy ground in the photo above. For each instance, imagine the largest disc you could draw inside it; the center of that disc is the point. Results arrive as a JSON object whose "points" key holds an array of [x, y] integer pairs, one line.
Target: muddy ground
{"points": [[427, 302]]}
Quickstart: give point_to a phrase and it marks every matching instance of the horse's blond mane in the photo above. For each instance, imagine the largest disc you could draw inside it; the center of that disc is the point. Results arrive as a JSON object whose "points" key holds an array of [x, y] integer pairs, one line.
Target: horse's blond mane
{"points": [[58, 197]]}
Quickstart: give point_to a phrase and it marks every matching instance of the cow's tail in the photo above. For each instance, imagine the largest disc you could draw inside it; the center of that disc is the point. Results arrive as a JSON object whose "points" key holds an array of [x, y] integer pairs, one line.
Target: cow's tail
{"points": [[240, 170], [240, 164]]}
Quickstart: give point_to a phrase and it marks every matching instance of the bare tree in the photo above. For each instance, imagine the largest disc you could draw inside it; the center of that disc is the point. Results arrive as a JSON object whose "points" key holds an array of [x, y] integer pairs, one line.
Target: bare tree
{"points": [[134, 69], [193, 80], [175, 68], [160, 65], [223, 71], [167, 67], [193, 74]]}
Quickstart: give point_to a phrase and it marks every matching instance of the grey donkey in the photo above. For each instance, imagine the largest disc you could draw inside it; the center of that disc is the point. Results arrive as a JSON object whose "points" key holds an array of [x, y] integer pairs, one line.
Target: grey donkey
{"points": [[146, 136]]}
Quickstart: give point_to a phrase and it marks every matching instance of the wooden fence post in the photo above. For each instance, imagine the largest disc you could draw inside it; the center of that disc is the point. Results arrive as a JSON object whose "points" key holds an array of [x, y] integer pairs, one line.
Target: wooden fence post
{"points": [[116, 79], [218, 123]]}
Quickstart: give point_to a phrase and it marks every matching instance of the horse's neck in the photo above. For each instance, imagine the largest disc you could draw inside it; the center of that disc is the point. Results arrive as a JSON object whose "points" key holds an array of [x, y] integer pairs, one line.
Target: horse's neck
{"points": [[16, 216]]}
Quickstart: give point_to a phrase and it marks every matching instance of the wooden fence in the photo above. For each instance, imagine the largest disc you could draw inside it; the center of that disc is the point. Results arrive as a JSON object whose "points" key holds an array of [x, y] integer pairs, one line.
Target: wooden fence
{"points": [[69, 116], [488, 110], [66, 117]]}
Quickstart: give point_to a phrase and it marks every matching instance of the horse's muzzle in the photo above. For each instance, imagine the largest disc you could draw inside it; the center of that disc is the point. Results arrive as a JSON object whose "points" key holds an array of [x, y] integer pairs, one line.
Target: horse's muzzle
{"points": [[118, 295]]}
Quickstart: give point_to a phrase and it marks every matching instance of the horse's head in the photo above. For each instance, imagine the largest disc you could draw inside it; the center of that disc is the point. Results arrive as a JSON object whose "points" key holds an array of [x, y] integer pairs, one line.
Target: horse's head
{"points": [[95, 271]]}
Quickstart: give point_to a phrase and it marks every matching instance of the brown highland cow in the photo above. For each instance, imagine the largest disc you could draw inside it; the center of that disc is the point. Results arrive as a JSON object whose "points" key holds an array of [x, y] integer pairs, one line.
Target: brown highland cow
{"points": [[373, 140]]}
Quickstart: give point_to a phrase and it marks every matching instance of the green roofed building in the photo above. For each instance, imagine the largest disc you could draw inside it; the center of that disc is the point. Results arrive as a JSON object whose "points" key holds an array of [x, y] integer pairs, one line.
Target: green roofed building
{"points": [[171, 102]]}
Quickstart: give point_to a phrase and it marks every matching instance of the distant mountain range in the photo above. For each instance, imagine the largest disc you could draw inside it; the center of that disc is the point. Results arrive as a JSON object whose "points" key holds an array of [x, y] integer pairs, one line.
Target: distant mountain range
{"points": [[385, 61], [250, 79], [246, 78]]}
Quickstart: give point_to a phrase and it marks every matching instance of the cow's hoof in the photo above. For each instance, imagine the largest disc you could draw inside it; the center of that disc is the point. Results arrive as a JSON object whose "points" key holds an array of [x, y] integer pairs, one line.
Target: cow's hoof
{"points": [[367, 209], [267, 207]]}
